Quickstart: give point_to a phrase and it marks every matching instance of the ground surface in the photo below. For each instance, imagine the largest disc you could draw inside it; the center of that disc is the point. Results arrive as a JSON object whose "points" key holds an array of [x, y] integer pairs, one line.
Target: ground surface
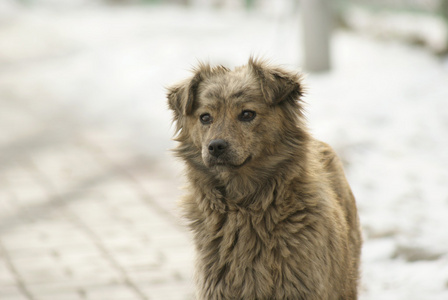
{"points": [[88, 190]]}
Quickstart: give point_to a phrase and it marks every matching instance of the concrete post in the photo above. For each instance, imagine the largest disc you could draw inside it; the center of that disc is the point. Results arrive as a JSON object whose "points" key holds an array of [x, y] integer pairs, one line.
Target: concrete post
{"points": [[316, 28]]}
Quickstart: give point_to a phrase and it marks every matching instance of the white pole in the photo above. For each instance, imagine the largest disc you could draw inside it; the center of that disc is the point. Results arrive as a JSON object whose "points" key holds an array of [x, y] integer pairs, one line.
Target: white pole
{"points": [[316, 28]]}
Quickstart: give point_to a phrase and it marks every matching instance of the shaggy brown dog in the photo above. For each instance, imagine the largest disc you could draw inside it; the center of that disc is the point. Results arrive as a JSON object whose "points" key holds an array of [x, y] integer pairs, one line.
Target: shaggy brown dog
{"points": [[272, 214]]}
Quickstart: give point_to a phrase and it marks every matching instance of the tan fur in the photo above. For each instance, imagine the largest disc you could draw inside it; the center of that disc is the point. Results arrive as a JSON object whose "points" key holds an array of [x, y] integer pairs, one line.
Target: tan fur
{"points": [[273, 217]]}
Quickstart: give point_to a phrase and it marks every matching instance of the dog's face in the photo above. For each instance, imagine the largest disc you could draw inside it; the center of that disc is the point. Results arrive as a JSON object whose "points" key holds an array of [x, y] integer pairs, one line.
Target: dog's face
{"points": [[231, 119]]}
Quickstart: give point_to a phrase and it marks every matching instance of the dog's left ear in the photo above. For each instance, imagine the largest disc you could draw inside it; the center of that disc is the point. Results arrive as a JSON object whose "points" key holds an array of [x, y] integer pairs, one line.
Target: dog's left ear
{"points": [[277, 85], [181, 96]]}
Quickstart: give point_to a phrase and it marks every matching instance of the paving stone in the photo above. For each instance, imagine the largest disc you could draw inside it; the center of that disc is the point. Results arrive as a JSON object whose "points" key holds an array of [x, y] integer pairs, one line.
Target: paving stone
{"points": [[152, 276], [61, 296], [9, 292], [183, 291], [111, 292], [7, 206], [83, 214], [6, 277]]}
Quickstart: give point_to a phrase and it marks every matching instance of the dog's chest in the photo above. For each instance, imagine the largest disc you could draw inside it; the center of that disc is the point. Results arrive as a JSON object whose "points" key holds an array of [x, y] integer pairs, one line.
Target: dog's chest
{"points": [[240, 250]]}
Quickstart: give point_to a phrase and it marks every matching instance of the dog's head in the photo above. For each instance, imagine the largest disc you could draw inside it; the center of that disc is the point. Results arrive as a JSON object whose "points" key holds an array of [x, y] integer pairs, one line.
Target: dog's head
{"points": [[228, 120]]}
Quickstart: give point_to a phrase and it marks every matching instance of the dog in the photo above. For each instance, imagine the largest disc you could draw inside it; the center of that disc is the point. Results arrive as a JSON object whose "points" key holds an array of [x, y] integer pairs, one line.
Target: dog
{"points": [[271, 212]]}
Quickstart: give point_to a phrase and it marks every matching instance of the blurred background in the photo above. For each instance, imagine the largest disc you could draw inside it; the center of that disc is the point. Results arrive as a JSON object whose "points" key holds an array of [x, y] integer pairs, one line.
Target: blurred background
{"points": [[88, 187]]}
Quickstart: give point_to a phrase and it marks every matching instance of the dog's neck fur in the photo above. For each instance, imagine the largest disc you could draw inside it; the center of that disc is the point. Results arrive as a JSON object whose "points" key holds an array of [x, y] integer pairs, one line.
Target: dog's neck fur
{"points": [[252, 189]]}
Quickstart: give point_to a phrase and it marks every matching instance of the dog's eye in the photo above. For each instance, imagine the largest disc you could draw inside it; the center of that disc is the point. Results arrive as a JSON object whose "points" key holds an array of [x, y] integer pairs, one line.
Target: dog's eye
{"points": [[247, 115], [206, 118]]}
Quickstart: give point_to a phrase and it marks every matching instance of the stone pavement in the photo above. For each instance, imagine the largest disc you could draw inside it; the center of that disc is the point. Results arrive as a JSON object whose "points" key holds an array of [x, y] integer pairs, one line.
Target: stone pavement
{"points": [[82, 217], [87, 190], [84, 214]]}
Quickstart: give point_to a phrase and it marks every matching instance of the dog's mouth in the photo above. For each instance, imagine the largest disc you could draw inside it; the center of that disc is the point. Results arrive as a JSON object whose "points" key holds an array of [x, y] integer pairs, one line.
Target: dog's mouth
{"points": [[229, 164]]}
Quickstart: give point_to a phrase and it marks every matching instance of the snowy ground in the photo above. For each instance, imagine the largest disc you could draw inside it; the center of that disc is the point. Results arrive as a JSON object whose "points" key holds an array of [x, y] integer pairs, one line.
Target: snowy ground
{"points": [[384, 108]]}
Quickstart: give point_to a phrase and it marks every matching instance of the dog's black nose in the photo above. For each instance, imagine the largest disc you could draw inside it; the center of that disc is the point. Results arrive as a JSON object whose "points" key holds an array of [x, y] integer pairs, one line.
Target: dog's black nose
{"points": [[217, 147]]}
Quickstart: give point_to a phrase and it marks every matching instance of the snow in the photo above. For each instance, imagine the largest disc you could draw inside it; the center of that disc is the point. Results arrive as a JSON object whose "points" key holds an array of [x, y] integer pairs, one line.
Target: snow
{"points": [[383, 107], [423, 28]]}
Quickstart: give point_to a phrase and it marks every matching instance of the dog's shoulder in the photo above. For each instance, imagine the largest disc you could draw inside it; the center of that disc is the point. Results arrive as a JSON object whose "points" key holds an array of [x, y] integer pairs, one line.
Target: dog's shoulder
{"points": [[325, 152], [329, 161], [334, 171]]}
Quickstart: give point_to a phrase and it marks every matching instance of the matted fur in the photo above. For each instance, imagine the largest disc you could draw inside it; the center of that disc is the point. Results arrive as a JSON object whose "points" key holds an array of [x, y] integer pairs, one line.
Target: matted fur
{"points": [[273, 217]]}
